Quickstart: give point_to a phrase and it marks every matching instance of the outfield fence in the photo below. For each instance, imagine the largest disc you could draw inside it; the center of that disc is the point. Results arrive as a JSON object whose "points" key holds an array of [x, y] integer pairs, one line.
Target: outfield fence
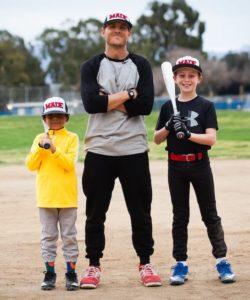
{"points": [[28, 100]]}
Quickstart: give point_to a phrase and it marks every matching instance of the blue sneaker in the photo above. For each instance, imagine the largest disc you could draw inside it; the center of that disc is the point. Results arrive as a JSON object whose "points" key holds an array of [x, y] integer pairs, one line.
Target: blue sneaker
{"points": [[226, 274], [179, 274]]}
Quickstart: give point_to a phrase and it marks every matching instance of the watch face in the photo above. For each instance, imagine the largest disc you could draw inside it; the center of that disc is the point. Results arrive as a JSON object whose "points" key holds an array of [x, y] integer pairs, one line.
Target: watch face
{"points": [[131, 94]]}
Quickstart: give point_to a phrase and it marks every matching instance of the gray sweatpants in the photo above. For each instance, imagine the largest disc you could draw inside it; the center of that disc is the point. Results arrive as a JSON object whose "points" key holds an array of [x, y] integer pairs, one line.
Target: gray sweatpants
{"points": [[49, 218]]}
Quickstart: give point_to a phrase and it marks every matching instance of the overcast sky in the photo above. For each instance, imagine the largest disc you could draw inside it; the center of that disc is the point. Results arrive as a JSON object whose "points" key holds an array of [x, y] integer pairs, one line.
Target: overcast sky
{"points": [[227, 21]]}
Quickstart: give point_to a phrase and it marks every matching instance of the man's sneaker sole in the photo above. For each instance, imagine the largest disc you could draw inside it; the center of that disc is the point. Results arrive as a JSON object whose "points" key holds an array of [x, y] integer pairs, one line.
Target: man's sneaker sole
{"points": [[88, 286], [152, 284]]}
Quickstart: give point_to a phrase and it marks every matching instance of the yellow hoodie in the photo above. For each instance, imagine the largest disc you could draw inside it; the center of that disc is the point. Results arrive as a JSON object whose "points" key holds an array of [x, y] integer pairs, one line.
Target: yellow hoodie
{"points": [[56, 182]]}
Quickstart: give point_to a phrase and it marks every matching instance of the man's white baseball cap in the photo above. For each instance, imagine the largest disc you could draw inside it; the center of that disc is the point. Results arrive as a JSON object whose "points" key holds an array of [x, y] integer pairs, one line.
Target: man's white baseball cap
{"points": [[187, 62], [55, 105]]}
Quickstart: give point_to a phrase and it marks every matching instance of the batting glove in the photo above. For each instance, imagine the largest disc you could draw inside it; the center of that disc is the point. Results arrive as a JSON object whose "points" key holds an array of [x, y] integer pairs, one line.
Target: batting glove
{"points": [[172, 120], [181, 127]]}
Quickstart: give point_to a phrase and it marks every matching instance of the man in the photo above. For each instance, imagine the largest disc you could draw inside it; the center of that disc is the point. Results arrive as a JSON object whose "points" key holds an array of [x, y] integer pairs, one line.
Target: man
{"points": [[117, 90]]}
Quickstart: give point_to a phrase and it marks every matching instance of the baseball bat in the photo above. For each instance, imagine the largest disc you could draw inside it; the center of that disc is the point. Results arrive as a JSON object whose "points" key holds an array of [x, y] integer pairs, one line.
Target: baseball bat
{"points": [[168, 78], [46, 130]]}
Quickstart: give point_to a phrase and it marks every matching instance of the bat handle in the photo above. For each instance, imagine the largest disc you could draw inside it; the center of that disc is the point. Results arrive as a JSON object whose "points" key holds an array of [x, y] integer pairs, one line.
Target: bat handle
{"points": [[46, 146], [180, 135]]}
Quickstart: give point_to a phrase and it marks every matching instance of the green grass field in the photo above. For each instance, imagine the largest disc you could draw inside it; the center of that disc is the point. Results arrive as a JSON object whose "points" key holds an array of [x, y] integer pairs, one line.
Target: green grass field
{"points": [[17, 134]]}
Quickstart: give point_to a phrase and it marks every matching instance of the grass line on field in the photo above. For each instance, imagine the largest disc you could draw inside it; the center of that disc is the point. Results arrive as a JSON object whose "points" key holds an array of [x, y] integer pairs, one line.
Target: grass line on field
{"points": [[235, 150], [17, 134]]}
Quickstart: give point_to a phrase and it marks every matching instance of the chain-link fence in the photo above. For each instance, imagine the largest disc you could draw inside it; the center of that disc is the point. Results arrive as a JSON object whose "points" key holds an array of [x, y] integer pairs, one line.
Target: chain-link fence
{"points": [[23, 94], [28, 100]]}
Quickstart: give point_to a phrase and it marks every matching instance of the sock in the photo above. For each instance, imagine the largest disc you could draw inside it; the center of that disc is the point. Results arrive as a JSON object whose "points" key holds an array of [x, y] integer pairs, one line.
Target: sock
{"points": [[71, 266], [218, 260], [94, 262], [50, 266], [144, 260]]}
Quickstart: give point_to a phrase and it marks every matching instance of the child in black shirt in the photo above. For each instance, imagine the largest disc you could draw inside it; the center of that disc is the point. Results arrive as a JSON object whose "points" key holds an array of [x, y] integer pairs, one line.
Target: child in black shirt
{"points": [[189, 163]]}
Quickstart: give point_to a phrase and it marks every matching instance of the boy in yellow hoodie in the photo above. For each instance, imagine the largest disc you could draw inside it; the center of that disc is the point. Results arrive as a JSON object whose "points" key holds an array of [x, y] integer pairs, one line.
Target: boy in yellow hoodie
{"points": [[53, 155]]}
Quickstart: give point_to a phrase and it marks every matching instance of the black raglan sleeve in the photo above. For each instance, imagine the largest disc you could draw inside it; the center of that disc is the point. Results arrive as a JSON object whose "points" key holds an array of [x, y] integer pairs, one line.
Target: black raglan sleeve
{"points": [[143, 104], [92, 101]]}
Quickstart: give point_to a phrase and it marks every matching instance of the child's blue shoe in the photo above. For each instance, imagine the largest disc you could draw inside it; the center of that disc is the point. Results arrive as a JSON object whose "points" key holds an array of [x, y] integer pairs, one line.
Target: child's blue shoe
{"points": [[179, 274], [226, 274]]}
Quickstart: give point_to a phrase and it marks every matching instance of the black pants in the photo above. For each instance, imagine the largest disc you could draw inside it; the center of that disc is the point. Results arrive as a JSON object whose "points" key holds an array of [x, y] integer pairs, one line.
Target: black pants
{"points": [[100, 172], [180, 175]]}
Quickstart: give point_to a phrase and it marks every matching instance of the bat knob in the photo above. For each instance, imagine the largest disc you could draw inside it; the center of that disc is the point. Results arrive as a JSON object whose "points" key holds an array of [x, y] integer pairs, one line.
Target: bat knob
{"points": [[180, 135], [46, 146]]}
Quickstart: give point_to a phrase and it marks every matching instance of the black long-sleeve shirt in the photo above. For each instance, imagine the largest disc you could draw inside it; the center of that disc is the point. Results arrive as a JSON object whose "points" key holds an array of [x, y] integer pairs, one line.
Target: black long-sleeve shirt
{"points": [[113, 132], [94, 75]]}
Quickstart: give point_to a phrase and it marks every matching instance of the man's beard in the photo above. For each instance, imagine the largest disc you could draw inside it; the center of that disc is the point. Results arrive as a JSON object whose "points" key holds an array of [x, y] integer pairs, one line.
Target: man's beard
{"points": [[117, 46]]}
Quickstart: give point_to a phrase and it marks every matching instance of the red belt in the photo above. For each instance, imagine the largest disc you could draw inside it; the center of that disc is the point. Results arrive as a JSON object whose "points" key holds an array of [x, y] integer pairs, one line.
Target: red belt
{"points": [[186, 157]]}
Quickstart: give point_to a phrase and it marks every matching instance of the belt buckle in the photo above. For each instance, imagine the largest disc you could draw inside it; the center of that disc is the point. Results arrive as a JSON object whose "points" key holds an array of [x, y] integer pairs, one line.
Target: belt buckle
{"points": [[189, 155]]}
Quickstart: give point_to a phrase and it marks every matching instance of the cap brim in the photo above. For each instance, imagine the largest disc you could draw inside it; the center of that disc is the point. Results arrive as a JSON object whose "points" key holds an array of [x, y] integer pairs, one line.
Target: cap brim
{"points": [[55, 112], [118, 20], [180, 66]]}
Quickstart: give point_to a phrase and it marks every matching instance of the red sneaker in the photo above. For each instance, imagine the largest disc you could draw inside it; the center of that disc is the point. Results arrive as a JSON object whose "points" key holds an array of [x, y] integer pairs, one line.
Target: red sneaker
{"points": [[91, 279], [149, 277]]}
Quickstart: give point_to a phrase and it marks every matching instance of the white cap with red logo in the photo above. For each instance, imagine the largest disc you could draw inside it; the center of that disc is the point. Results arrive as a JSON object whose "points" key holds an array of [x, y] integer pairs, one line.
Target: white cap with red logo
{"points": [[114, 17], [55, 105], [187, 62]]}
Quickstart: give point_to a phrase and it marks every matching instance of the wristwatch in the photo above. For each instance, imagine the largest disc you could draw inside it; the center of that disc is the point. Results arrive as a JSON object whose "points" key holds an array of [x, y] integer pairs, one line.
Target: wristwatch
{"points": [[131, 94]]}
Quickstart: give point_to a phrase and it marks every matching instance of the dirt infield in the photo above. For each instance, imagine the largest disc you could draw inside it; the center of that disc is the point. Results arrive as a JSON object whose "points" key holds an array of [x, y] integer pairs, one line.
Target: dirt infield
{"points": [[21, 266]]}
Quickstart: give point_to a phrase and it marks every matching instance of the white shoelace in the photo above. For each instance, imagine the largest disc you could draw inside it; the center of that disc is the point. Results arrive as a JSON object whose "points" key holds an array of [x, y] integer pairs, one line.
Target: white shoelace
{"points": [[92, 272], [147, 270]]}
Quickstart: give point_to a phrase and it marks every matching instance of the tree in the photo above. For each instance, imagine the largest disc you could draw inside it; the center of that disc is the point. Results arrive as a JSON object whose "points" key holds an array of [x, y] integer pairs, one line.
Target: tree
{"points": [[216, 76], [18, 65], [239, 70], [167, 26], [66, 50]]}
